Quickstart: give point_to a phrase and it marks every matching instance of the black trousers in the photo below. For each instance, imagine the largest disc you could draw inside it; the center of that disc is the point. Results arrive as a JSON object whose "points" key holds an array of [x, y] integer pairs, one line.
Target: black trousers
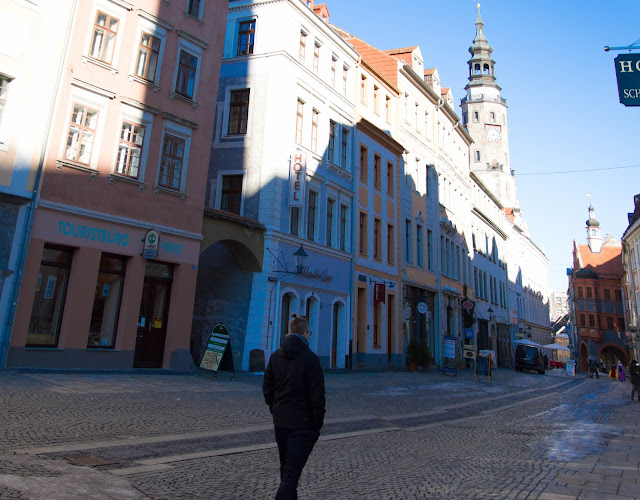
{"points": [[294, 447]]}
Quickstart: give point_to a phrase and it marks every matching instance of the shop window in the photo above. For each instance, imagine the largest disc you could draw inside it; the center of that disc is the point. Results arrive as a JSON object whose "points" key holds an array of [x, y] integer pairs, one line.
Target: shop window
{"points": [[48, 303], [106, 302]]}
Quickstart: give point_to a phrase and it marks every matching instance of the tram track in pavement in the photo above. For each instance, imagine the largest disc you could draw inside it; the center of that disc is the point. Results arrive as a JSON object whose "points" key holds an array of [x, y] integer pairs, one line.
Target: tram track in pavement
{"points": [[158, 452]]}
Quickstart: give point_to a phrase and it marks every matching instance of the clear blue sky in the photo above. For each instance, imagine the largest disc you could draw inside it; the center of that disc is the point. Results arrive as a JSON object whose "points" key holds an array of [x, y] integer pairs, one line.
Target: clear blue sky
{"points": [[564, 113]]}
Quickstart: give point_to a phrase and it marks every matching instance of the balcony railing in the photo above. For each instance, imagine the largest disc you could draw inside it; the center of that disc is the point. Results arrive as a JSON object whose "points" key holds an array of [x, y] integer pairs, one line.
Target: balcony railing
{"points": [[481, 98]]}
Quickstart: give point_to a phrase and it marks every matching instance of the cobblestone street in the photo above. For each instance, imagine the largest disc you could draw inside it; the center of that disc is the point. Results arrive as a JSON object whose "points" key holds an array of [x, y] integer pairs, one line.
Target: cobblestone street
{"points": [[387, 435]]}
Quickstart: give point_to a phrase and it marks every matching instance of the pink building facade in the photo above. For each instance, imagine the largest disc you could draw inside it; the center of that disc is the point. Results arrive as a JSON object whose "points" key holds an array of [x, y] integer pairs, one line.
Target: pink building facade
{"points": [[111, 268]]}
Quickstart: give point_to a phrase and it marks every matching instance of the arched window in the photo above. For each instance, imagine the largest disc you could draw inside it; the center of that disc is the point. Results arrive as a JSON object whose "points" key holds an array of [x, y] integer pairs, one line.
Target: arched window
{"points": [[477, 69], [485, 69]]}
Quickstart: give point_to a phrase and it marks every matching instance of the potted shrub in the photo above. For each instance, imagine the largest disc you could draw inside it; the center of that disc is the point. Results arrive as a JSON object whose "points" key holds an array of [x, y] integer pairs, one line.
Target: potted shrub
{"points": [[417, 355]]}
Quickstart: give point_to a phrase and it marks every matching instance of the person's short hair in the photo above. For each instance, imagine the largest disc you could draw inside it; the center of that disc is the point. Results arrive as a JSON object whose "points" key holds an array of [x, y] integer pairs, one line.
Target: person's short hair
{"points": [[299, 324]]}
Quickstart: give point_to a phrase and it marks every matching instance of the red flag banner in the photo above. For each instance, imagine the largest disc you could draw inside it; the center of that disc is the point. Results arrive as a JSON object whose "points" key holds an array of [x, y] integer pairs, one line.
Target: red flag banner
{"points": [[378, 293]]}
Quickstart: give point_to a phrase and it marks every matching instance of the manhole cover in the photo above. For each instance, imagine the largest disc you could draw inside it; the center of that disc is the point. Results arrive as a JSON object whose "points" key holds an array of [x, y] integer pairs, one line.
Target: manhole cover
{"points": [[87, 459]]}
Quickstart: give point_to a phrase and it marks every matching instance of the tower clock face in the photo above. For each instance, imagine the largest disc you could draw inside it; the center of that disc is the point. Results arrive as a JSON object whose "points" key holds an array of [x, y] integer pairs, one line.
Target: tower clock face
{"points": [[493, 133]]}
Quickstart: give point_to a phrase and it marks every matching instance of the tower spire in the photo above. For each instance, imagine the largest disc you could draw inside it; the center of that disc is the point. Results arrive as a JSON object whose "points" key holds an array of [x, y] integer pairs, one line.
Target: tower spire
{"points": [[479, 28]]}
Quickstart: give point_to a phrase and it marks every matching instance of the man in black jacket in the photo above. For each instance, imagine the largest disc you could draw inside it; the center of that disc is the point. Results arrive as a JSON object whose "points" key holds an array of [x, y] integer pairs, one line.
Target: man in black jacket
{"points": [[293, 388]]}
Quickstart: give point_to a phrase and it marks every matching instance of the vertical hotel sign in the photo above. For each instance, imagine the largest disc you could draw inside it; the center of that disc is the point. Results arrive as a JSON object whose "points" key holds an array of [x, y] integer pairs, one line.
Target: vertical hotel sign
{"points": [[297, 178], [628, 76]]}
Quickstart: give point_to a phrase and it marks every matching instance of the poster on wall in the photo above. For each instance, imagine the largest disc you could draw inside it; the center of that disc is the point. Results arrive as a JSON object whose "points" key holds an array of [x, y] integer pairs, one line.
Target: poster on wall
{"points": [[217, 355]]}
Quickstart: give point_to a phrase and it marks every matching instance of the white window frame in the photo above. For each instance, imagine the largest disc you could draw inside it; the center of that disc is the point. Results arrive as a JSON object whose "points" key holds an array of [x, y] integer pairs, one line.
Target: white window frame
{"points": [[155, 27], [226, 113], [7, 113], [200, 10], [118, 10], [219, 183], [95, 101], [196, 50], [236, 39], [140, 117], [183, 132]]}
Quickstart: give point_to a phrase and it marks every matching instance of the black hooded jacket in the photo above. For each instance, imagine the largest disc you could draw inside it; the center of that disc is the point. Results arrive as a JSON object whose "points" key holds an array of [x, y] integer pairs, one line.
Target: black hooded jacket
{"points": [[293, 386]]}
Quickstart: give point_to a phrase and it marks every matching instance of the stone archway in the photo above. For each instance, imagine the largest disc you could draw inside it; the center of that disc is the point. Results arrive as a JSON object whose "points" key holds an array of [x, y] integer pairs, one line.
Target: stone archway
{"points": [[612, 353], [232, 249]]}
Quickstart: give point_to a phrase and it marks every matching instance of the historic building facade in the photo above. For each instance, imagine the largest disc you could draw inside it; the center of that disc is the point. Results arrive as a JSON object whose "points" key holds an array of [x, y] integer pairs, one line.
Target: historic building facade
{"points": [[284, 155], [111, 266], [595, 298], [29, 83], [631, 263]]}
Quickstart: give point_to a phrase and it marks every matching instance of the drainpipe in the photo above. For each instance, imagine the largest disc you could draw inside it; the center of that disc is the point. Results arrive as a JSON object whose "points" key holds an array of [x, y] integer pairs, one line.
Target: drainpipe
{"points": [[352, 263], [5, 333]]}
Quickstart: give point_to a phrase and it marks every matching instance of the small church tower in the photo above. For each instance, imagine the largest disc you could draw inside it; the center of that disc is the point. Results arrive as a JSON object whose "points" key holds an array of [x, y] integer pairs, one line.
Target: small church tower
{"points": [[594, 236]]}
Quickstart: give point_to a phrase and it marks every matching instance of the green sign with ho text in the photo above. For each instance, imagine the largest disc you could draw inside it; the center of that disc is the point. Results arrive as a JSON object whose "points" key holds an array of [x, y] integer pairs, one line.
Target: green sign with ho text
{"points": [[628, 76]]}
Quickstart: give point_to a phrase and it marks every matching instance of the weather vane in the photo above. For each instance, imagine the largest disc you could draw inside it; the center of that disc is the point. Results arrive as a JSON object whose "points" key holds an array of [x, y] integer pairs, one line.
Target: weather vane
{"points": [[589, 195]]}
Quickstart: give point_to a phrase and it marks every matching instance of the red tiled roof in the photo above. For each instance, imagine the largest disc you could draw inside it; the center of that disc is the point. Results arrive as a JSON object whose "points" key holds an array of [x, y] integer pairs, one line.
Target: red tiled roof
{"points": [[429, 71], [445, 90], [509, 213], [404, 50], [606, 264], [383, 63]]}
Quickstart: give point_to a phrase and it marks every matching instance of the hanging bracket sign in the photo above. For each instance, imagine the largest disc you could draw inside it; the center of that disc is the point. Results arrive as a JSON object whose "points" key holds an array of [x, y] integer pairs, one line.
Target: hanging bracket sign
{"points": [[628, 76]]}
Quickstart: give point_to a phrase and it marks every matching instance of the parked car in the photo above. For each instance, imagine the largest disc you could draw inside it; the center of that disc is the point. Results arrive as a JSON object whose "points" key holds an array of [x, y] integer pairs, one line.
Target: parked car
{"points": [[529, 357]]}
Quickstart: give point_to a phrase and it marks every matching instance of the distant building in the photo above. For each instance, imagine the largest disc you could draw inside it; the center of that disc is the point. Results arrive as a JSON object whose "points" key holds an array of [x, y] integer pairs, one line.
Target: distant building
{"points": [[631, 260], [595, 298], [559, 305]]}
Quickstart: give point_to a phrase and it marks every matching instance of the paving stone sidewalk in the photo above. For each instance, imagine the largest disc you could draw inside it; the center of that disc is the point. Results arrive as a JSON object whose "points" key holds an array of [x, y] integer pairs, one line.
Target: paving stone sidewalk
{"points": [[35, 414]]}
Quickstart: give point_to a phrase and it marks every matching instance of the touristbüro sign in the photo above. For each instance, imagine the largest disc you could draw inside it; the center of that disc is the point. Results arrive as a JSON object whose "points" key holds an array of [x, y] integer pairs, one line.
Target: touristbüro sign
{"points": [[628, 75]]}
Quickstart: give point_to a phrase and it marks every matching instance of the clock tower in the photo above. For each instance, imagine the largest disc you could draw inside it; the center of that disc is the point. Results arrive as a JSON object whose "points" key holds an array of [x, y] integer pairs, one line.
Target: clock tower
{"points": [[484, 114]]}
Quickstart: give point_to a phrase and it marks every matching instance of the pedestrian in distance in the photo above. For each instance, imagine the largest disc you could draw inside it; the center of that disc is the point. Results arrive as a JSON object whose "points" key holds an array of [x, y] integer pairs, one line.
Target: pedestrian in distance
{"points": [[293, 387], [634, 376], [621, 374], [593, 368], [613, 373]]}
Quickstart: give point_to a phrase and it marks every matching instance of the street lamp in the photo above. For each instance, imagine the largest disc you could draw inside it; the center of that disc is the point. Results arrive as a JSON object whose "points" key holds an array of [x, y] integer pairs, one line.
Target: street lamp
{"points": [[529, 331], [300, 256], [490, 311]]}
